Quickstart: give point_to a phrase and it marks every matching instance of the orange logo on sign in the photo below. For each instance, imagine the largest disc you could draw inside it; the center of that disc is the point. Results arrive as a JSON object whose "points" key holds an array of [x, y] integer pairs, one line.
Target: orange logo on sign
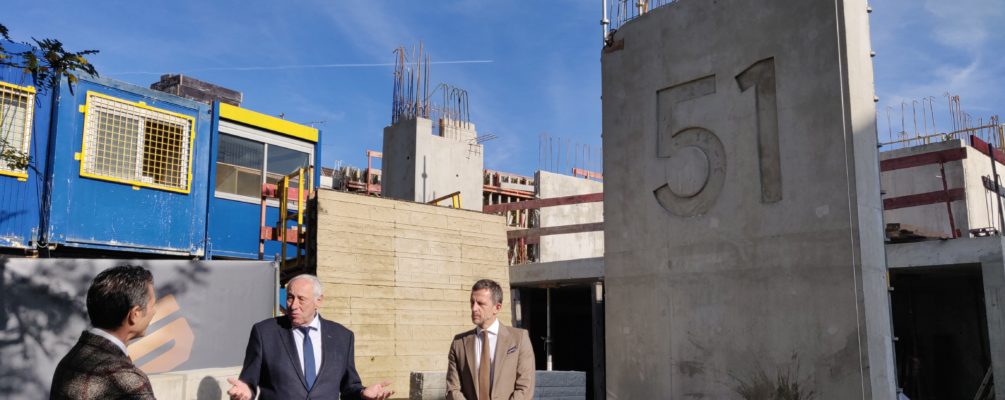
{"points": [[178, 331]]}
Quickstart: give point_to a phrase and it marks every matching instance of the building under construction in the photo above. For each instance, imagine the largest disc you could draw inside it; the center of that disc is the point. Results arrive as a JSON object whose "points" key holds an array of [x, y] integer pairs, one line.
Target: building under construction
{"points": [[749, 232]]}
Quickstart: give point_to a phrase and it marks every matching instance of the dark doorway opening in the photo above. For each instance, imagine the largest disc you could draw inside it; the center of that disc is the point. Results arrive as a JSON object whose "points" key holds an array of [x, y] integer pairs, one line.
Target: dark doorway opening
{"points": [[941, 328], [575, 317]]}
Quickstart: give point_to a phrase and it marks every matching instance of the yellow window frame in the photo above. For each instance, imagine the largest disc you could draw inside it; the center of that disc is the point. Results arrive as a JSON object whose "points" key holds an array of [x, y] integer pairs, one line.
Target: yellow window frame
{"points": [[136, 184], [29, 119]]}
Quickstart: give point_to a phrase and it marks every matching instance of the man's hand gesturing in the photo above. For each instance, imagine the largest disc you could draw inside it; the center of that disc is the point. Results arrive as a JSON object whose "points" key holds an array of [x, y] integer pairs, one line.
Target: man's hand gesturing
{"points": [[239, 391], [378, 391]]}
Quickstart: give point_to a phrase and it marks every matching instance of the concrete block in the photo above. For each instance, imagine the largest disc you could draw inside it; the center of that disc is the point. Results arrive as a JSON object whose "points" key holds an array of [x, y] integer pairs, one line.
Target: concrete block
{"points": [[433, 317], [370, 348], [748, 244], [333, 289], [427, 247], [168, 385], [198, 384], [412, 264], [475, 252], [370, 278], [372, 317], [403, 287], [561, 379], [209, 383], [362, 303], [434, 347], [427, 385]]}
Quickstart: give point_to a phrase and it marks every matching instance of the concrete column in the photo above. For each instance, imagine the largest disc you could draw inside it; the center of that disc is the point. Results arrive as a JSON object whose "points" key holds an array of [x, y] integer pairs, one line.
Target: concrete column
{"points": [[743, 220], [993, 275]]}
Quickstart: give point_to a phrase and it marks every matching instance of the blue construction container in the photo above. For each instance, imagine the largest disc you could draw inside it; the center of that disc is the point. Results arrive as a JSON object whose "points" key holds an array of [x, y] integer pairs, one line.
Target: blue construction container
{"points": [[121, 168], [251, 149], [127, 171], [25, 113]]}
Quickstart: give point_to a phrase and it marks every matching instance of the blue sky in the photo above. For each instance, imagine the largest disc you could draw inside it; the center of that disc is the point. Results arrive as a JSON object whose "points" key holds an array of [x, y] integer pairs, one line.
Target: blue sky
{"points": [[542, 74]]}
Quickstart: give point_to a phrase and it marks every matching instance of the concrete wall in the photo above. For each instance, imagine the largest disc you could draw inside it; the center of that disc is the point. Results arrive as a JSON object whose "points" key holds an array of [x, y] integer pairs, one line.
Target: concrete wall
{"points": [[198, 384], [399, 275], [548, 385], [398, 163], [420, 166], [743, 222], [923, 179], [979, 209], [981, 203], [575, 245]]}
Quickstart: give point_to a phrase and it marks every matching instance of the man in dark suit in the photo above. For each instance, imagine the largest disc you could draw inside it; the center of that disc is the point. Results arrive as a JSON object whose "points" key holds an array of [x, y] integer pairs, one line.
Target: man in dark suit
{"points": [[120, 305], [492, 361], [301, 355]]}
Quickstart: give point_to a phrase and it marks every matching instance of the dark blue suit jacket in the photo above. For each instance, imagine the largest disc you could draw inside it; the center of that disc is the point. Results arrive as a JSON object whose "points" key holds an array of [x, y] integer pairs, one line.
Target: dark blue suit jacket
{"points": [[272, 366]]}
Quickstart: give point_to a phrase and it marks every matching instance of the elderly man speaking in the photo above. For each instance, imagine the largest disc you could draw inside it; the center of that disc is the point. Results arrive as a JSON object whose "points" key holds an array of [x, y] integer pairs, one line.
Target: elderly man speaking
{"points": [[301, 355]]}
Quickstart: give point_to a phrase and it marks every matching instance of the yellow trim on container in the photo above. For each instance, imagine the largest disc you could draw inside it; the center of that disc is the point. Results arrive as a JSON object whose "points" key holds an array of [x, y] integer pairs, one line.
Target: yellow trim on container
{"points": [[17, 175], [22, 176], [268, 122], [29, 89], [136, 184]]}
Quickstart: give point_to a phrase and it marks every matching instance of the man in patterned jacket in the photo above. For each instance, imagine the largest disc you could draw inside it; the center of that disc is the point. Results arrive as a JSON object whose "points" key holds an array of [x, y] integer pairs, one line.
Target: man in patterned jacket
{"points": [[120, 304]]}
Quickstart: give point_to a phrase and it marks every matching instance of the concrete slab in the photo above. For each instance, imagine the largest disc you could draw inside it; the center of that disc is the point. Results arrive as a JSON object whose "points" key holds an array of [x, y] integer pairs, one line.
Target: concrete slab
{"points": [[568, 271], [742, 208], [196, 384], [420, 166], [549, 385], [943, 252], [573, 245]]}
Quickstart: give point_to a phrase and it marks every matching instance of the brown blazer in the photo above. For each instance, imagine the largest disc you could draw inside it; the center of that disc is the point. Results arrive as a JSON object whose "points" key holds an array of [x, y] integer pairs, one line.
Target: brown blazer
{"points": [[514, 366], [96, 369]]}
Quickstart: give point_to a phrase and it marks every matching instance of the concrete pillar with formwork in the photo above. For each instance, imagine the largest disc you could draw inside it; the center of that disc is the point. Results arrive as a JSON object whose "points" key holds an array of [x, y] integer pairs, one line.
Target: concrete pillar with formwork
{"points": [[993, 278], [420, 165], [574, 245], [743, 222], [399, 275], [943, 189]]}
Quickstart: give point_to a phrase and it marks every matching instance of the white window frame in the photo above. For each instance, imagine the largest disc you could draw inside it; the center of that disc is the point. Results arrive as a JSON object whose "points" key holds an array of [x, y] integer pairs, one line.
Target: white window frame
{"points": [[29, 119], [270, 139]]}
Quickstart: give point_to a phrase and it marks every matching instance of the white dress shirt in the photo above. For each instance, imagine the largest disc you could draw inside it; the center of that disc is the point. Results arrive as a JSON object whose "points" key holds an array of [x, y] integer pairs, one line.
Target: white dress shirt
{"points": [[298, 339], [493, 339], [118, 343]]}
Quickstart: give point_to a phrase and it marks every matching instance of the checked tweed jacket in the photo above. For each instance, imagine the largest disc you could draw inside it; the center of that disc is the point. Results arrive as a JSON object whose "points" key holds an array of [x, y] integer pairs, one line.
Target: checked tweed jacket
{"points": [[96, 369]]}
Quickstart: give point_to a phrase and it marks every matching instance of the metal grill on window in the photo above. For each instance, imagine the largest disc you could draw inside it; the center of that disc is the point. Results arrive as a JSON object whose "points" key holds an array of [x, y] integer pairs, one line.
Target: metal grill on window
{"points": [[136, 144], [16, 106]]}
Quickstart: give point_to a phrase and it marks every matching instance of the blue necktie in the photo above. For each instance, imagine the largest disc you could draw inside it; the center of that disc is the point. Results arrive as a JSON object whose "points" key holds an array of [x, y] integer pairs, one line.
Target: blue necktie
{"points": [[309, 371]]}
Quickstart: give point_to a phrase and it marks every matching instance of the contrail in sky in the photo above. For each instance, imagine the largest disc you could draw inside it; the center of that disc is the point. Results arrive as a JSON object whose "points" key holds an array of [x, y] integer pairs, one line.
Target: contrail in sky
{"points": [[301, 66]]}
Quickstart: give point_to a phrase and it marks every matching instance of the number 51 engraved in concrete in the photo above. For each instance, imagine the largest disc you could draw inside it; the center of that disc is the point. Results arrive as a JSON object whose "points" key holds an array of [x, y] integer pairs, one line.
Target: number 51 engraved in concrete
{"points": [[699, 198]]}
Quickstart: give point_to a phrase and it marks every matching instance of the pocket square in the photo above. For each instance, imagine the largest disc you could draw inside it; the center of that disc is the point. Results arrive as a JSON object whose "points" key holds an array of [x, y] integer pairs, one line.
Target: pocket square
{"points": [[511, 349]]}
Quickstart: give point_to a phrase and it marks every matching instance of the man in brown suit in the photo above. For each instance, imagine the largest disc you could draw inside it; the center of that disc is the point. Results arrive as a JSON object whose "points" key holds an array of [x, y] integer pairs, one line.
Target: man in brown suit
{"points": [[120, 305], [509, 372]]}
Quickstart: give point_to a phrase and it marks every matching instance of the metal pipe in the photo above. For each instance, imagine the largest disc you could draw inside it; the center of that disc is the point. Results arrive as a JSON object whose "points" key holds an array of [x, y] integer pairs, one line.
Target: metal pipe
{"points": [[949, 208], [994, 172], [547, 339], [605, 23]]}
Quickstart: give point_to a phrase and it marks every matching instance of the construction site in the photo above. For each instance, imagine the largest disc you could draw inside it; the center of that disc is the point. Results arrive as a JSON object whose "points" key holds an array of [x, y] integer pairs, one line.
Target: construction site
{"points": [[745, 231]]}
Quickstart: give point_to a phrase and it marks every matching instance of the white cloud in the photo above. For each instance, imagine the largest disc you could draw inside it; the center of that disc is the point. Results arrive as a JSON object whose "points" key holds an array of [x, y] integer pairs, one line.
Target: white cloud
{"points": [[964, 24]]}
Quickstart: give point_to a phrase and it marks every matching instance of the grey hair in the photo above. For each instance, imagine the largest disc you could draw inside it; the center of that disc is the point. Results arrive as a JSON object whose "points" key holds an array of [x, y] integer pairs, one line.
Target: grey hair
{"points": [[318, 289]]}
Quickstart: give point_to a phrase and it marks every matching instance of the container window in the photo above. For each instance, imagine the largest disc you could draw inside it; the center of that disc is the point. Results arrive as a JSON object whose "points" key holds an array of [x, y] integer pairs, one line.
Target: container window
{"points": [[282, 162], [239, 164], [136, 144], [16, 106], [244, 164]]}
